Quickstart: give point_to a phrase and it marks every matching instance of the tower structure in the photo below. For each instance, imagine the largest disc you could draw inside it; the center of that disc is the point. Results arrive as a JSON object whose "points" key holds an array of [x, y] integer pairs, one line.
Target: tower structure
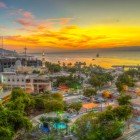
{"points": [[43, 59], [2, 44], [25, 53]]}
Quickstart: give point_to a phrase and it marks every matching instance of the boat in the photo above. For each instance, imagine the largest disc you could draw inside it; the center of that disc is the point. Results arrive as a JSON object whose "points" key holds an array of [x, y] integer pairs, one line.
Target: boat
{"points": [[97, 55]]}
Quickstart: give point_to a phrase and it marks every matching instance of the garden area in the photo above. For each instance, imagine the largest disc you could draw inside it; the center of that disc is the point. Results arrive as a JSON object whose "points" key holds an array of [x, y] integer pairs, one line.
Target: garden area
{"points": [[17, 114], [52, 126]]}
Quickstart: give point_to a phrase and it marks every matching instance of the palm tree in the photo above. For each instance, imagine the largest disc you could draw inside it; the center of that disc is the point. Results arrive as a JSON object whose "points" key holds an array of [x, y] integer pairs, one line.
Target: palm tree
{"points": [[6, 132], [69, 64], [64, 64]]}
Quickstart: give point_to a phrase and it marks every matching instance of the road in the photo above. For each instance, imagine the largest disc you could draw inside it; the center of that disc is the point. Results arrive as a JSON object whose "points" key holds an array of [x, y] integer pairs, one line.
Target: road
{"points": [[132, 136]]}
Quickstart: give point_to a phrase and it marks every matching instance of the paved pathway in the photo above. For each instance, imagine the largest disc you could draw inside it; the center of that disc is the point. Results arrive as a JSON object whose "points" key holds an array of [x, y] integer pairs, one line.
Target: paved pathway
{"points": [[132, 136]]}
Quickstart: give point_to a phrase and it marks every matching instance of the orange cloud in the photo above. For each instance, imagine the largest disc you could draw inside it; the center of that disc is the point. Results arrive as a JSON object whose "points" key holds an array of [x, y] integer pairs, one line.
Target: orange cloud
{"points": [[30, 23], [74, 37], [29, 20], [25, 22], [61, 21], [26, 19]]}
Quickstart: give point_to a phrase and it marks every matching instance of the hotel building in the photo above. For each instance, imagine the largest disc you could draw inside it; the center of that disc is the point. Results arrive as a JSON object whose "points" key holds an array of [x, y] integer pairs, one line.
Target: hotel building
{"points": [[31, 83]]}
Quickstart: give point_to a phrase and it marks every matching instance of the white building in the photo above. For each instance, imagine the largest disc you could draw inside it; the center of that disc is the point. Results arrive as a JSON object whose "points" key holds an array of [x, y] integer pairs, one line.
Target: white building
{"points": [[12, 79], [32, 83]]}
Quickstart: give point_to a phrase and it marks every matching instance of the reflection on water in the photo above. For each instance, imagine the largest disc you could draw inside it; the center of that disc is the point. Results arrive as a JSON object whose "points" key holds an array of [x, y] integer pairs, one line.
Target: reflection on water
{"points": [[106, 59]]}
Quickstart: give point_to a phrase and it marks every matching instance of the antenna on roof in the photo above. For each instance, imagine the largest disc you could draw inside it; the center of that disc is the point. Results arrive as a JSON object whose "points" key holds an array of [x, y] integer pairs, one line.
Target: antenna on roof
{"points": [[2, 44], [25, 52], [43, 59]]}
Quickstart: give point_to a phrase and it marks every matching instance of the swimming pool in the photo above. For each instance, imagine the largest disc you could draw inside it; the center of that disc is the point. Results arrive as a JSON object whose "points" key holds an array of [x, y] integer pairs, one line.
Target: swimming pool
{"points": [[44, 129], [136, 126], [60, 125]]}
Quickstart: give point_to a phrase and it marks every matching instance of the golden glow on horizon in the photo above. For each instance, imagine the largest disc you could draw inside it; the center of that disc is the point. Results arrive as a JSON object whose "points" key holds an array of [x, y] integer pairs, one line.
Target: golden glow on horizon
{"points": [[75, 38]]}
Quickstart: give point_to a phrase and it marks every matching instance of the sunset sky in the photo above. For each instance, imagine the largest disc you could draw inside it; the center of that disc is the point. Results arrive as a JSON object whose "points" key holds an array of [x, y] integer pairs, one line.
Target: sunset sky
{"points": [[63, 25]]}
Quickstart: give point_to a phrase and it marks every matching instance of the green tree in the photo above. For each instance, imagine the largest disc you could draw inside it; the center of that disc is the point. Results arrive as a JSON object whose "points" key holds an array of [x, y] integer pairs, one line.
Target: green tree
{"points": [[6, 133], [75, 106], [52, 67], [71, 81], [39, 103], [53, 105], [123, 112], [99, 78], [106, 125], [71, 69], [89, 92], [57, 96], [16, 105], [124, 99], [119, 86], [122, 80], [11, 121], [98, 81], [133, 73], [16, 93], [25, 101]]}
